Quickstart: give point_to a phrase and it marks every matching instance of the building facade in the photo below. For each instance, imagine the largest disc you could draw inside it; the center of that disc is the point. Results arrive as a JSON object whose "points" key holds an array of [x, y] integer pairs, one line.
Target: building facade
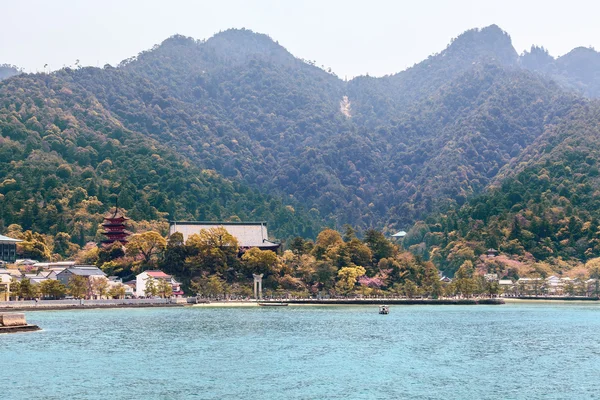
{"points": [[8, 249], [141, 280]]}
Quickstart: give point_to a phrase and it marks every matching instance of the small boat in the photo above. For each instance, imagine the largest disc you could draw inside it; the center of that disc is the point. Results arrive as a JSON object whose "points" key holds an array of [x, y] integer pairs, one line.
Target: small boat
{"points": [[273, 304], [384, 309]]}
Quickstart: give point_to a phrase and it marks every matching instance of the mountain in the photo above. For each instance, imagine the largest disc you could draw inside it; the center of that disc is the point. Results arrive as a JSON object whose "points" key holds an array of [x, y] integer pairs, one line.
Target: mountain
{"points": [[577, 70], [237, 127], [64, 159]]}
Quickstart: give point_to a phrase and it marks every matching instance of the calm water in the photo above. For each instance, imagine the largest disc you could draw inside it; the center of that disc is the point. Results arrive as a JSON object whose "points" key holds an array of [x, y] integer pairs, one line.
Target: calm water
{"points": [[519, 351]]}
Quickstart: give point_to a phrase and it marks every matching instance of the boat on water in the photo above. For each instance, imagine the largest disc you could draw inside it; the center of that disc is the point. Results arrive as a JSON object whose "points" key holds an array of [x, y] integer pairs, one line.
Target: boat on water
{"points": [[384, 309], [273, 304]]}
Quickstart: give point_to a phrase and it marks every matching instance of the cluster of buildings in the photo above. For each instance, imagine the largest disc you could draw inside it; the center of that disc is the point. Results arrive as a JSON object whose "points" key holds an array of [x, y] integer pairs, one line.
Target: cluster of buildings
{"points": [[64, 271], [248, 235], [550, 286], [37, 273]]}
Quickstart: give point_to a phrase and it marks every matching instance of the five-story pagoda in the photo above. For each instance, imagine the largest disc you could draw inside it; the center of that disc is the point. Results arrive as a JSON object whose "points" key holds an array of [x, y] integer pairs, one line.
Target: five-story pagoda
{"points": [[114, 227]]}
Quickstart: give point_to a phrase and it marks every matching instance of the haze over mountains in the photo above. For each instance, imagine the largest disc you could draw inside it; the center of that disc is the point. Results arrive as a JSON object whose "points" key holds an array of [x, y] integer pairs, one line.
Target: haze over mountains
{"points": [[300, 147]]}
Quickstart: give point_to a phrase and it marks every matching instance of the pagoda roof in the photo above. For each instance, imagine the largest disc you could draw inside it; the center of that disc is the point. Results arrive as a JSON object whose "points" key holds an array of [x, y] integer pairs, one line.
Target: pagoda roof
{"points": [[117, 214]]}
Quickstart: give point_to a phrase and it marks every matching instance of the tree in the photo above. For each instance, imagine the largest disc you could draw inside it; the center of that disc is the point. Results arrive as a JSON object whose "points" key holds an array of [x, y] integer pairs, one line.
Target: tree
{"points": [[108, 253], [117, 291], [52, 288], [27, 290], [464, 282], [209, 286], [259, 261], [347, 278], [410, 289], [147, 245], [173, 260], [99, 286], [212, 251], [151, 289], [593, 267], [63, 245], [379, 245], [78, 286], [34, 246], [164, 288]]}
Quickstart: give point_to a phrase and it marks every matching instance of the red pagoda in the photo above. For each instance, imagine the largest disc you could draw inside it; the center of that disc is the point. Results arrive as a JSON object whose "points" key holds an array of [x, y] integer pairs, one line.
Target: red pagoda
{"points": [[114, 228]]}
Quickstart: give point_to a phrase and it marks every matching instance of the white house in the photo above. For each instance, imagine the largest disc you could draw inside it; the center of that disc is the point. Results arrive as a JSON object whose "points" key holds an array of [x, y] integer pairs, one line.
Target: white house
{"points": [[142, 279]]}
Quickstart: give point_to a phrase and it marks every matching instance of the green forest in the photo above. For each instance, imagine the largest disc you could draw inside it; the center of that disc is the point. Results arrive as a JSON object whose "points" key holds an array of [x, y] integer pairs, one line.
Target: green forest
{"points": [[476, 147]]}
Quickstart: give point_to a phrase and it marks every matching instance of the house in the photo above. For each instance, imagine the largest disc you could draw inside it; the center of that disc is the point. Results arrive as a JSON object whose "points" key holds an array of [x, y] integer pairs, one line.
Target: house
{"points": [[8, 249], [87, 271], [554, 285], [505, 283], [5, 280], [530, 286], [55, 265], [14, 273], [26, 262], [248, 234], [142, 279]]}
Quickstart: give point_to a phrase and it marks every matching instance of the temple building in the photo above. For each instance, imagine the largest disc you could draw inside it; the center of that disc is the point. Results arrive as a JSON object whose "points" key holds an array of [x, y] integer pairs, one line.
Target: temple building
{"points": [[115, 229], [248, 234], [8, 249]]}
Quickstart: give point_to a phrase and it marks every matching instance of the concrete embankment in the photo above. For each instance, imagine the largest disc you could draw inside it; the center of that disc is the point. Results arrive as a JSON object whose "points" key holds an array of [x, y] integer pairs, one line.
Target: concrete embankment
{"points": [[397, 301], [352, 302], [41, 305], [14, 323]]}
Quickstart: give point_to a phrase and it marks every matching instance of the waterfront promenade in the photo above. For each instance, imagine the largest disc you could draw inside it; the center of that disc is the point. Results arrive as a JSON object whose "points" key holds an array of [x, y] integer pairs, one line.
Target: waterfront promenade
{"points": [[22, 305], [179, 302]]}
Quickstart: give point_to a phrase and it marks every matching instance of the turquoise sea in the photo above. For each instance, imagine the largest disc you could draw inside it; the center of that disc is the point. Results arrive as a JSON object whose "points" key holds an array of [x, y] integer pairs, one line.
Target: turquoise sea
{"points": [[514, 351]]}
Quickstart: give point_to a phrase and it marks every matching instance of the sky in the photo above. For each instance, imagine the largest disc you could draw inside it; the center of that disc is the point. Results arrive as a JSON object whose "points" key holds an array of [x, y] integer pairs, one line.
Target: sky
{"points": [[352, 37]]}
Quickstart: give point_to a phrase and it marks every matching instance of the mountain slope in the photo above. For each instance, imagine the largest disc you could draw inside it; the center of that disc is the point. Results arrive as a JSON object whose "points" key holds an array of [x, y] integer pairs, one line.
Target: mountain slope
{"points": [[65, 157], [372, 152]]}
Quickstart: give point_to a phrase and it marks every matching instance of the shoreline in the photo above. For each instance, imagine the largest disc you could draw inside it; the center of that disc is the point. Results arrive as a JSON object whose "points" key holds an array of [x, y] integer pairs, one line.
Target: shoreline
{"points": [[354, 302], [58, 307]]}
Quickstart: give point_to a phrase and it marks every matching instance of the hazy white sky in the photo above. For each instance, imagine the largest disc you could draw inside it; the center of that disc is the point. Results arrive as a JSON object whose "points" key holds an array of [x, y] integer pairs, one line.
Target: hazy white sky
{"points": [[352, 37]]}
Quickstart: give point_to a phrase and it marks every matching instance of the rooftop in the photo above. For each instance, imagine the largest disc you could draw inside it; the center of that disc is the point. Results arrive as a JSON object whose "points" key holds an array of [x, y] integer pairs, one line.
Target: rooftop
{"points": [[248, 234], [85, 270], [6, 239], [157, 274]]}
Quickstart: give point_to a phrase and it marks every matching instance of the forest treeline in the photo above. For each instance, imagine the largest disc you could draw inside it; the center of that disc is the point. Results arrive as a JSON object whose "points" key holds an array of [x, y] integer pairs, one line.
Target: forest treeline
{"points": [[475, 147]]}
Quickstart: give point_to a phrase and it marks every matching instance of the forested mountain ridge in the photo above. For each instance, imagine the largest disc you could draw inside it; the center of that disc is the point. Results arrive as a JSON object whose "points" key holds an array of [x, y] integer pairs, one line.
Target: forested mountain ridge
{"points": [[239, 103], [372, 152], [64, 158], [578, 70]]}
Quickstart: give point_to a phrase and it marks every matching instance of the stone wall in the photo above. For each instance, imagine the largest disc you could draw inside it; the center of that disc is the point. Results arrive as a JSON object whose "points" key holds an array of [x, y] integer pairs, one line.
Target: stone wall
{"points": [[12, 319]]}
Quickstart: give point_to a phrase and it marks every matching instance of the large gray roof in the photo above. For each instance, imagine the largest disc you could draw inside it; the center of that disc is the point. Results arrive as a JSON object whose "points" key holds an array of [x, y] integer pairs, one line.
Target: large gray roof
{"points": [[84, 271], [6, 239], [248, 234]]}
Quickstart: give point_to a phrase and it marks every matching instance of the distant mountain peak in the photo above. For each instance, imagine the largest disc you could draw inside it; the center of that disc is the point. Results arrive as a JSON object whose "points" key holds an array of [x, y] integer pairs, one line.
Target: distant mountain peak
{"points": [[490, 42], [178, 40]]}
